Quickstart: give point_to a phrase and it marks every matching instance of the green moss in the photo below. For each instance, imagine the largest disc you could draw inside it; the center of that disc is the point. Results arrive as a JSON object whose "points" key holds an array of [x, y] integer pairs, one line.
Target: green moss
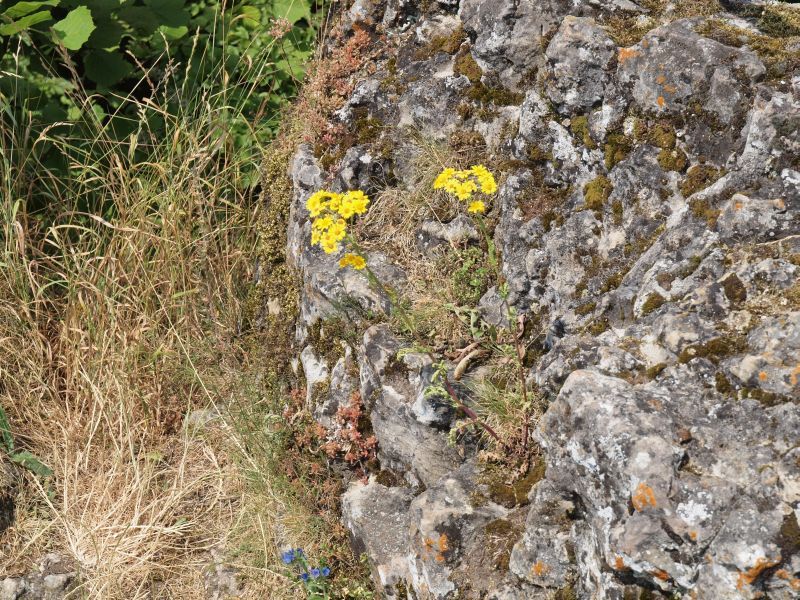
{"points": [[580, 129], [516, 493], [653, 302], [673, 160], [537, 155], [367, 129], [499, 96], [448, 44], [722, 385], [655, 370], [466, 65], [596, 192], [612, 282], [714, 349], [699, 178], [701, 209], [617, 212], [598, 326], [734, 289], [585, 309], [766, 398], [662, 135], [616, 149]]}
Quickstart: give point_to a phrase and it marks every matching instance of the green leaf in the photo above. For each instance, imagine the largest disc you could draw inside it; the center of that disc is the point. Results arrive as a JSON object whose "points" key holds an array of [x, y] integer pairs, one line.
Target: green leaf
{"points": [[5, 432], [24, 23], [20, 9], [170, 12], [31, 462], [74, 29], [106, 68], [174, 33], [292, 10]]}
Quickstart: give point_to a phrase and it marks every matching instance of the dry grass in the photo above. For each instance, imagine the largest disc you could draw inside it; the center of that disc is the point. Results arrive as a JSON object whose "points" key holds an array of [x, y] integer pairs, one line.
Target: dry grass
{"points": [[121, 291], [102, 316]]}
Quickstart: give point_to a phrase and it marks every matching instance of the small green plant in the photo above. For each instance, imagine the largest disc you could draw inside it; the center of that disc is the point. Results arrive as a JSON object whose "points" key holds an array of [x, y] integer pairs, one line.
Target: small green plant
{"points": [[21, 457], [314, 579]]}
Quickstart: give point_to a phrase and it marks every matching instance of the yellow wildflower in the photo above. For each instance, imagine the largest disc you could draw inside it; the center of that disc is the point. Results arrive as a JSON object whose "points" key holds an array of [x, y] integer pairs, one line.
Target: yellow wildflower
{"points": [[315, 237], [358, 201], [477, 206], [352, 260], [485, 179], [338, 230], [328, 243], [443, 178], [319, 201], [322, 223]]}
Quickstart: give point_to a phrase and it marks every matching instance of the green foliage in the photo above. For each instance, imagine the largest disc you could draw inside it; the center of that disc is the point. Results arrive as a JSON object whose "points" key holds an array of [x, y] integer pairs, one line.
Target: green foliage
{"points": [[69, 63], [21, 457]]}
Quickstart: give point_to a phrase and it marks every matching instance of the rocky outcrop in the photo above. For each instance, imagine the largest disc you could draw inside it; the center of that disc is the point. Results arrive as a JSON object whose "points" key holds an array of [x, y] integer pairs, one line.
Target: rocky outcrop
{"points": [[648, 221]]}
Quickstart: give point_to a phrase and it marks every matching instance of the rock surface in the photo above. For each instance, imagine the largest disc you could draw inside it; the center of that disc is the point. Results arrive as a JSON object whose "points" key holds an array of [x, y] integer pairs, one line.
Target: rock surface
{"points": [[648, 220]]}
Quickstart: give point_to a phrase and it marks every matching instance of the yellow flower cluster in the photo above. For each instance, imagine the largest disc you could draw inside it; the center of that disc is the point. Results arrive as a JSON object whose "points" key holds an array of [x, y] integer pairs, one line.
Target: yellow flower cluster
{"points": [[352, 260], [330, 211], [464, 183]]}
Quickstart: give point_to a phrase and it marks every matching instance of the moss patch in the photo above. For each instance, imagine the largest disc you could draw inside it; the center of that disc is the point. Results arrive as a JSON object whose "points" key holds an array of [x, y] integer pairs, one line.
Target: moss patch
{"points": [[465, 65], [714, 349], [580, 129], [734, 289], [616, 149], [673, 160], [448, 44], [655, 370], [596, 192], [699, 178], [653, 302], [499, 96], [702, 209]]}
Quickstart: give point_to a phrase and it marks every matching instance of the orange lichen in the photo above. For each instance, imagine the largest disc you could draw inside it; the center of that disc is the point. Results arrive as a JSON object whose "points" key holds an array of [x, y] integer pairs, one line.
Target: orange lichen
{"points": [[661, 574], [643, 497], [793, 376], [539, 569], [443, 547], [660, 80], [762, 375], [626, 54], [693, 536], [619, 564], [660, 101], [738, 205], [670, 89], [751, 574]]}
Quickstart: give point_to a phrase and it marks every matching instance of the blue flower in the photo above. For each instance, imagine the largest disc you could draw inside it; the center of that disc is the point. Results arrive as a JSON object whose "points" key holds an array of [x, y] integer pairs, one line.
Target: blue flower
{"points": [[325, 571], [304, 576], [287, 557], [314, 573]]}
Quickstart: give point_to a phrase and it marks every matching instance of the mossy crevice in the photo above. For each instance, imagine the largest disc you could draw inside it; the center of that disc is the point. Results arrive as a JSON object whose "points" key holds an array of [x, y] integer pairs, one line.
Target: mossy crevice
{"points": [[596, 192]]}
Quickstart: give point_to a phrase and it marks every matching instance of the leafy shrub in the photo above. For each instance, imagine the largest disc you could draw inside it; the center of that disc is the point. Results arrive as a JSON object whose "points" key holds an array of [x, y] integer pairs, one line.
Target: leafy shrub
{"points": [[66, 63]]}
